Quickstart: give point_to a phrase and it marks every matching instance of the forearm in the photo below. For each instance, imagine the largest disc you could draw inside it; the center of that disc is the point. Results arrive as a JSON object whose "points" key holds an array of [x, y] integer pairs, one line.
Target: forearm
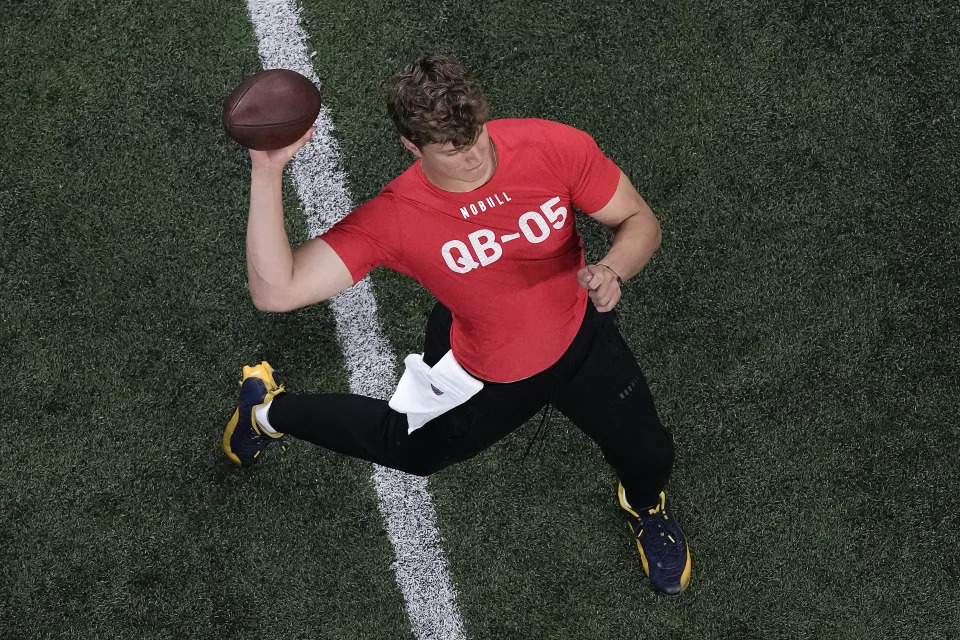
{"points": [[269, 257], [634, 243]]}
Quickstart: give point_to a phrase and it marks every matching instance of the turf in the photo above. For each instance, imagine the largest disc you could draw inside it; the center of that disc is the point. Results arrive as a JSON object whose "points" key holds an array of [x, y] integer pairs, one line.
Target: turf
{"points": [[797, 326], [125, 324]]}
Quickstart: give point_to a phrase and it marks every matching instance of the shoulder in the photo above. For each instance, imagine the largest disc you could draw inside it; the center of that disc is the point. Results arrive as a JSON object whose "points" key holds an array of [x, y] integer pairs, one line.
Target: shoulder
{"points": [[551, 139], [532, 128]]}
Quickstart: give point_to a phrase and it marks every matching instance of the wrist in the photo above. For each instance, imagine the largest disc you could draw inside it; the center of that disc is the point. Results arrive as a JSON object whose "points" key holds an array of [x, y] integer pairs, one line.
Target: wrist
{"points": [[266, 171], [617, 275]]}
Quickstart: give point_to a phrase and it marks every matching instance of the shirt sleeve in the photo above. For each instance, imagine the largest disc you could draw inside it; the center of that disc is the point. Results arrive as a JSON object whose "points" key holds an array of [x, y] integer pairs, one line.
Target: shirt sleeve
{"points": [[591, 176], [359, 238]]}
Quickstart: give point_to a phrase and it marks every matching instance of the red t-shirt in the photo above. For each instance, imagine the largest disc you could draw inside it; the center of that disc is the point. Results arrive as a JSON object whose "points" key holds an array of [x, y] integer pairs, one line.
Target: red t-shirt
{"points": [[503, 258]]}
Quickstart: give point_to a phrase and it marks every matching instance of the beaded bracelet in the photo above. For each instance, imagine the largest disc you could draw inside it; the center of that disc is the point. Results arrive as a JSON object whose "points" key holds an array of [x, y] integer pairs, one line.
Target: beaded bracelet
{"points": [[619, 279]]}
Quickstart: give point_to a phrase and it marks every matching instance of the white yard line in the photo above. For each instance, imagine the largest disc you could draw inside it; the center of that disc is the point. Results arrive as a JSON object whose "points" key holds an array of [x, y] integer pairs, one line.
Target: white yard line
{"points": [[421, 567]]}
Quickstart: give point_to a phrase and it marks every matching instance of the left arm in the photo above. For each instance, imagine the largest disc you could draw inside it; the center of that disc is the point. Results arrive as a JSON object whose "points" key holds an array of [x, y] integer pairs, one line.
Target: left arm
{"points": [[636, 236]]}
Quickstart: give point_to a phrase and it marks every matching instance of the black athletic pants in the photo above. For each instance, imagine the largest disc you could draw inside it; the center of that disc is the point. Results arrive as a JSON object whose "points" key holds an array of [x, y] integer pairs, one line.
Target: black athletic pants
{"points": [[597, 384]]}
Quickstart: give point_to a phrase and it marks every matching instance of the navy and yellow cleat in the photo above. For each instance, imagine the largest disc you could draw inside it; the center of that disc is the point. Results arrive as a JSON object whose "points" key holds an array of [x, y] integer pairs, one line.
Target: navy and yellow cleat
{"points": [[245, 439], [663, 549]]}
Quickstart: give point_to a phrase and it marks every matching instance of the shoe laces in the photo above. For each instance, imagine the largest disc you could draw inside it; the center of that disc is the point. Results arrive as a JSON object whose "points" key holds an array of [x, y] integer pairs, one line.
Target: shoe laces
{"points": [[653, 530]]}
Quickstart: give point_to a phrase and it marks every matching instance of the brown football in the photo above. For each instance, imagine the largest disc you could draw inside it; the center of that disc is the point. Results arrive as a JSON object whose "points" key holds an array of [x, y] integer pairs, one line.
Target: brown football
{"points": [[271, 109]]}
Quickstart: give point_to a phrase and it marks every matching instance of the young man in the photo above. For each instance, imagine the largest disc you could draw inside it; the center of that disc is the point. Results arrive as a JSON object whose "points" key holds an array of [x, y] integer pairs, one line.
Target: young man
{"points": [[484, 220]]}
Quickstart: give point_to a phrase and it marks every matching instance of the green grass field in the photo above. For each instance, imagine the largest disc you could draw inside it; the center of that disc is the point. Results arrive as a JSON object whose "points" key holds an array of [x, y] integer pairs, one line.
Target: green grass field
{"points": [[798, 326]]}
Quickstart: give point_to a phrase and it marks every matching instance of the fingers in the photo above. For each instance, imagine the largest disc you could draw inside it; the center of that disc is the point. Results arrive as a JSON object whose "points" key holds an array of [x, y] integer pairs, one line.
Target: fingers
{"points": [[605, 300], [606, 296], [304, 138], [290, 151], [583, 278], [590, 277], [603, 287], [278, 158]]}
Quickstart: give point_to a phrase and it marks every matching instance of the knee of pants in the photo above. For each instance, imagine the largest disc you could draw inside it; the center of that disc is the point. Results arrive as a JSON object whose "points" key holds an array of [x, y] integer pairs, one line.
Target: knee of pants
{"points": [[654, 452], [439, 444]]}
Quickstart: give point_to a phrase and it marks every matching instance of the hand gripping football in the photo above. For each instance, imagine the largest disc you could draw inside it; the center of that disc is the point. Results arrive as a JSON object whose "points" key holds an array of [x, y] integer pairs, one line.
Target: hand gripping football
{"points": [[271, 109]]}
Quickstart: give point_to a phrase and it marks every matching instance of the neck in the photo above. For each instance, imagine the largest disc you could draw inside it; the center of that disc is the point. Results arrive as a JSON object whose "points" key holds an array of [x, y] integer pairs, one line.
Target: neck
{"points": [[456, 185]]}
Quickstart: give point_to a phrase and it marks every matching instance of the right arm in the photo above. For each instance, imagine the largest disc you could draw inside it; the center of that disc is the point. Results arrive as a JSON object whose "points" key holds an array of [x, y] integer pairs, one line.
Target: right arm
{"points": [[281, 279]]}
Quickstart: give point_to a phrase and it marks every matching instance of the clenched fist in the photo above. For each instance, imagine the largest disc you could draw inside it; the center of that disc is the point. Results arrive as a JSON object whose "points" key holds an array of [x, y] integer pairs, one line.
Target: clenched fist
{"points": [[603, 285]]}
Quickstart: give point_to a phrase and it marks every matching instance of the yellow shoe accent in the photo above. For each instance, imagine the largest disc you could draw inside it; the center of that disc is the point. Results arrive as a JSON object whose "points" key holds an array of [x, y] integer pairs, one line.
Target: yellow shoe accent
{"points": [[685, 576], [228, 433], [643, 556], [263, 371]]}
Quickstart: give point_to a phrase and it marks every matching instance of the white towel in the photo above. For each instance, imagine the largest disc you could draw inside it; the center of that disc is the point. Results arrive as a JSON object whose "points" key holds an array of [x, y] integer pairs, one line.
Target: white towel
{"points": [[424, 393]]}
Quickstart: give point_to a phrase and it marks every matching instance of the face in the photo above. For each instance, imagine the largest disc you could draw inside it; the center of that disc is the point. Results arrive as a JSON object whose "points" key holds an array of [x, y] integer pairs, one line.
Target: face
{"points": [[449, 167]]}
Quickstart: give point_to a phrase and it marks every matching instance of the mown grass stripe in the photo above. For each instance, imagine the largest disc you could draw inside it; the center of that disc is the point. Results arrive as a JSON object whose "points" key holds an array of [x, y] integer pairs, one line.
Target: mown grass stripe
{"points": [[421, 568]]}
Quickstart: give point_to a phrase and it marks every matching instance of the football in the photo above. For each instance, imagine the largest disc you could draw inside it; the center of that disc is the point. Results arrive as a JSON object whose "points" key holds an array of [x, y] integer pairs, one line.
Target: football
{"points": [[271, 109]]}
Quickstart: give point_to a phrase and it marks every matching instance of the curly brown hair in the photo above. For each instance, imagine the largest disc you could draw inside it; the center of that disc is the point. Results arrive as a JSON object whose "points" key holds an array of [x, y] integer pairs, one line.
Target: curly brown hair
{"points": [[434, 99]]}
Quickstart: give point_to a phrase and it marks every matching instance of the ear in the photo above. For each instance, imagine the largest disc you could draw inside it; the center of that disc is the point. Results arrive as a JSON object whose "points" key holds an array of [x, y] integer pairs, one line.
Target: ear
{"points": [[412, 148]]}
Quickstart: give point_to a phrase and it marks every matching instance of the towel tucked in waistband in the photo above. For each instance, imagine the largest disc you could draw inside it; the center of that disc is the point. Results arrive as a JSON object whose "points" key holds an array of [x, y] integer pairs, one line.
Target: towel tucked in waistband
{"points": [[424, 392]]}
